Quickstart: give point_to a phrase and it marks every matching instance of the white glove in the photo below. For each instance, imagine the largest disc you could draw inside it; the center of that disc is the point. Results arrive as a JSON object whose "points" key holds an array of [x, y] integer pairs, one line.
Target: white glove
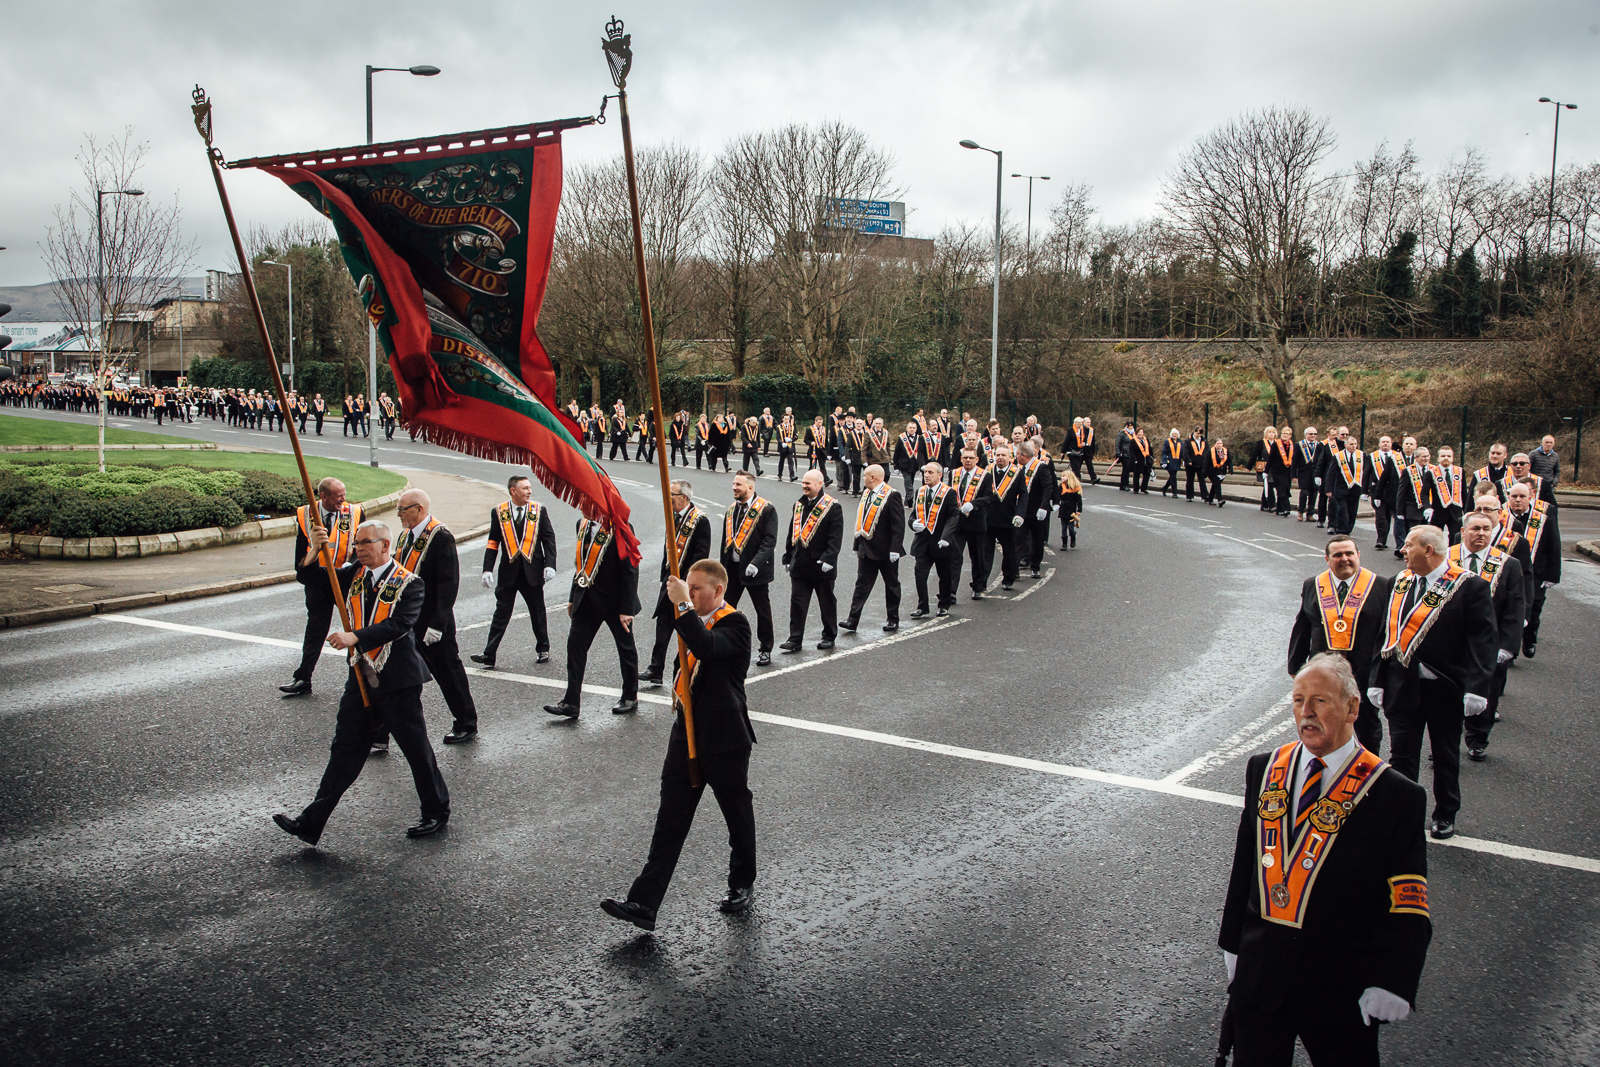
{"points": [[918, 526], [1504, 657], [1474, 704], [1043, 514], [1427, 513], [944, 544], [1016, 520], [1317, 481], [751, 571], [1375, 697], [488, 579], [1546, 585], [549, 574], [1230, 960], [894, 557], [1380, 1005], [430, 636], [826, 567], [966, 509]]}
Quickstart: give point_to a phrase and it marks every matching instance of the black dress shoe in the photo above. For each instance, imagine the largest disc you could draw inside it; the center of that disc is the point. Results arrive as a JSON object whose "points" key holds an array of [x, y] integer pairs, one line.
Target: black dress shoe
{"points": [[543, 657], [977, 596], [848, 627], [944, 613], [824, 646], [1035, 574], [298, 688], [427, 827], [890, 627], [629, 911], [763, 659], [920, 613], [562, 709], [379, 748], [295, 828], [1442, 829], [625, 707], [736, 900], [1005, 587], [485, 660], [1528, 649], [1476, 753], [789, 646], [458, 736], [1399, 554], [649, 681]]}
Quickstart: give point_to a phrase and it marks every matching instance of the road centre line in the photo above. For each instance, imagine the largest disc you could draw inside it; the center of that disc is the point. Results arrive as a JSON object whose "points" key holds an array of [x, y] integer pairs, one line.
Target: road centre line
{"points": [[1151, 785]]}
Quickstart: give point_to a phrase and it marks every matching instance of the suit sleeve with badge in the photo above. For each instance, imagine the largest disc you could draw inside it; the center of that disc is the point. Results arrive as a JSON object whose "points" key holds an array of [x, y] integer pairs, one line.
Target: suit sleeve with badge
{"points": [[440, 574], [722, 655]]}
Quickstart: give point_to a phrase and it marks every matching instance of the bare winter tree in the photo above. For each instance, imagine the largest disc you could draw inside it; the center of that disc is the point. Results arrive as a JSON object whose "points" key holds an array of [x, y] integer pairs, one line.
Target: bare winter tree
{"points": [[787, 180], [142, 256], [1245, 196], [737, 267]]}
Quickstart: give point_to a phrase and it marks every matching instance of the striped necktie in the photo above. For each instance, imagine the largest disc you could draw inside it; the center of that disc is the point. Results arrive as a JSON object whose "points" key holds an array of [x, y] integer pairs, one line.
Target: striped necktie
{"points": [[1310, 792]]}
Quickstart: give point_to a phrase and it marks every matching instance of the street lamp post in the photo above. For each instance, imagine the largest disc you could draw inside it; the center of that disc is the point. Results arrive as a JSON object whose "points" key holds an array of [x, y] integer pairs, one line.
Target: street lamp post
{"points": [[994, 326], [1031, 179], [1549, 234], [421, 71], [290, 268], [105, 339]]}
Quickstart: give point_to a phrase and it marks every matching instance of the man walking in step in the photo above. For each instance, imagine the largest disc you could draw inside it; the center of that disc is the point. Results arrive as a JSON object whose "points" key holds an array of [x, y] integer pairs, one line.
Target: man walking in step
{"points": [[972, 488], [1341, 611], [427, 548], [1194, 465], [1536, 521], [1383, 481], [1478, 555], [1042, 491], [692, 532], [1007, 498], [879, 543], [1348, 475], [605, 592], [749, 546], [811, 556], [339, 519], [1307, 460], [934, 542], [523, 540]]}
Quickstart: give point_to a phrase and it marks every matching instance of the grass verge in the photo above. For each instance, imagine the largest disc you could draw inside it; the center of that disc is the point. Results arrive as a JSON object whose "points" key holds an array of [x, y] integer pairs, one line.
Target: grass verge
{"points": [[21, 430], [360, 482]]}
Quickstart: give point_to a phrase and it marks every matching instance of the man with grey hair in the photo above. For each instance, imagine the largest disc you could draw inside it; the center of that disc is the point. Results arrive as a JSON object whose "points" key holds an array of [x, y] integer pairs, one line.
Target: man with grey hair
{"points": [[385, 602], [427, 548], [338, 518], [880, 541], [1436, 665]]}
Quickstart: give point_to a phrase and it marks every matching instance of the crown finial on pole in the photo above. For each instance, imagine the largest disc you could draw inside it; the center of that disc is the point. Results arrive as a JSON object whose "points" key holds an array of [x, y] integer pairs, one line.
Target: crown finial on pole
{"points": [[618, 47]]}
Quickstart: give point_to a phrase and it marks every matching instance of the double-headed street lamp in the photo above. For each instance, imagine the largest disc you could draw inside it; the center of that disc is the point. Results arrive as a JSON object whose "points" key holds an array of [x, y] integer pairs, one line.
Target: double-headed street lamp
{"points": [[994, 327], [105, 339], [1031, 179], [290, 268], [422, 71], [1554, 141]]}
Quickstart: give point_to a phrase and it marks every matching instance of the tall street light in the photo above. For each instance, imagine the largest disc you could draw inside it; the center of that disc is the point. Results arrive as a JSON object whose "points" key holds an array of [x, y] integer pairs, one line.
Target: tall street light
{"points": [[1031, 179], [1554, 141], [421, 71], [105, 339], [290, 268], [994, 326]]}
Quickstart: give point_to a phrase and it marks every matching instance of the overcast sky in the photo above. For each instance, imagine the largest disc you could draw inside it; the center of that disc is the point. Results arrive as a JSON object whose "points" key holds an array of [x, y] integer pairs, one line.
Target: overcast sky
{"points": [[1106, 92]]}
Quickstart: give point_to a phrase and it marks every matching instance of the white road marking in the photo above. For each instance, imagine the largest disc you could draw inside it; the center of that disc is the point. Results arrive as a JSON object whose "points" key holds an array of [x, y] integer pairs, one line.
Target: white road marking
{"points": [[1166, 787], [1243, 740], [1026, 593], [920, 631], [1252, 544]]}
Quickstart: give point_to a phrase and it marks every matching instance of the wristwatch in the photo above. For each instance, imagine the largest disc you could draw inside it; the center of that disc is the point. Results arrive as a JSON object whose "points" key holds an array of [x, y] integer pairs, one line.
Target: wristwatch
{"points": [[686, 607]]}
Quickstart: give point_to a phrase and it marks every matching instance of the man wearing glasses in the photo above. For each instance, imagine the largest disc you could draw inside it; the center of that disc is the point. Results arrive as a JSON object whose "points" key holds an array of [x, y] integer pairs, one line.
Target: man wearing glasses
{"points": [[385, 602], [427, 548]]}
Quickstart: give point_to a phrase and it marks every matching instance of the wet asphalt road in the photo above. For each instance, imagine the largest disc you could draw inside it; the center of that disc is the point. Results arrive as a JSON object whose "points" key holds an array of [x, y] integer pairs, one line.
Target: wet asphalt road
{"points": [[915, 904]]}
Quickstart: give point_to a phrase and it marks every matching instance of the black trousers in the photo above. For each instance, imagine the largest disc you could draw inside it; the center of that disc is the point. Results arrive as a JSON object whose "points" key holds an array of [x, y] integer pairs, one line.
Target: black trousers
{"points": [[1141, 477], [1530, 632], [505, 598], [1439, 712], [586, 622], [727, 773], [699, 453], [947, 579], [443, 658], [664, 617], [319, 424], [1088, 462], [1214, 493], [1478, 726], [678, 449], [1035, 534], [978, 548], [852, 482], [751, 456], [600, 447], [786, 455], [1007, 536], [401, 712], [319, 619], [1331, 1031], [646, 449], [761, 600], [1192, 475], [1341, 517], [867, 572], [619, 444], [1280, 491], [802, 584], [1172, 482], [1369, 726]]}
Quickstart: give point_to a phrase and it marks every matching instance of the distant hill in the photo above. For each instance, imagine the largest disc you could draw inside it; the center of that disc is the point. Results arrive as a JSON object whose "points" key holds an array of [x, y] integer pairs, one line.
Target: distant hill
{"points": [[37, 303]]}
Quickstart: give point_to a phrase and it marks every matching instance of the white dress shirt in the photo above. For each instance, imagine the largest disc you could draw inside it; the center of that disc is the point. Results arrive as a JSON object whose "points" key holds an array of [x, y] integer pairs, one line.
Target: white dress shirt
{"points": [[1333, 765]]}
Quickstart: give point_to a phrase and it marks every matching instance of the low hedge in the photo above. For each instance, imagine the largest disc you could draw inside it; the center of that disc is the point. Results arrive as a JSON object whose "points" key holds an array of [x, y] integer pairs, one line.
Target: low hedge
{"points": [[66, 503]]}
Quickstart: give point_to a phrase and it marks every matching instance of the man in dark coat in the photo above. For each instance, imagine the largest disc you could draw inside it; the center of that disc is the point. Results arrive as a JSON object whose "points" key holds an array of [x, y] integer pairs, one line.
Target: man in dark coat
{"points": [[427, 548], [811, 556], [972, 483], [605, 592], [749, 546], [1007, 497], [1341, 610], [693, 531], [1538, 523], [718, 640], [1478, 554], [335, 516], [935, 544], [880, 541], [523, 541]]}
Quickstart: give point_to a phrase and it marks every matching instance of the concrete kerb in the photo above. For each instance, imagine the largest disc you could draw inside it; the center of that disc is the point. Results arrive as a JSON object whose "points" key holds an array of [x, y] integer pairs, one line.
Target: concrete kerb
{"points": [[196, 446], [1590, 550], [37, 616]]}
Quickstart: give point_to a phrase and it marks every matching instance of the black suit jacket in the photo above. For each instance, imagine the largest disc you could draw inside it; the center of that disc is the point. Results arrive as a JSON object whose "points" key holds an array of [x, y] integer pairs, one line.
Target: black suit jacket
{"points": [[544, 552], [1045, 490], [440, 571], [616, 582], [1306, 471], [722, 655], [758, 550], [1350, 938], [1459, 648], [404, 667], [1524, 559], [1547, 564], [826, 540], [1510, 605], [975, 523], [888, 533], [1002, 509], [1406, 503], [698, 548], [1307, 637], [926, 543]]}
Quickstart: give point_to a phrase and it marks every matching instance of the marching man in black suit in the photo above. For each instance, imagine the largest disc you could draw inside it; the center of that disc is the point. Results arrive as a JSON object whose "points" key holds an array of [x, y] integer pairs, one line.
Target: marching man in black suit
{"points": [[749, 544], [385, 601], [339, 518], [1341, 610], [1008, 497], [1042, 492], [1325, 928], [909, 456], [1478, 555], [971, 484], [605, 592], [1536, 521], [427, 548], [935, 544], [811, 556], [880, 541], [694, 544], [718, 641], [1436, 664], [522, 538]]}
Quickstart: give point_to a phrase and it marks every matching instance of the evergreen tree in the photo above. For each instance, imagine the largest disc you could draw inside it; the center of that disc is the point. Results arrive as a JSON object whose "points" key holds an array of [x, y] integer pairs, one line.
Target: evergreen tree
{"points": [[1397, 286]]}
